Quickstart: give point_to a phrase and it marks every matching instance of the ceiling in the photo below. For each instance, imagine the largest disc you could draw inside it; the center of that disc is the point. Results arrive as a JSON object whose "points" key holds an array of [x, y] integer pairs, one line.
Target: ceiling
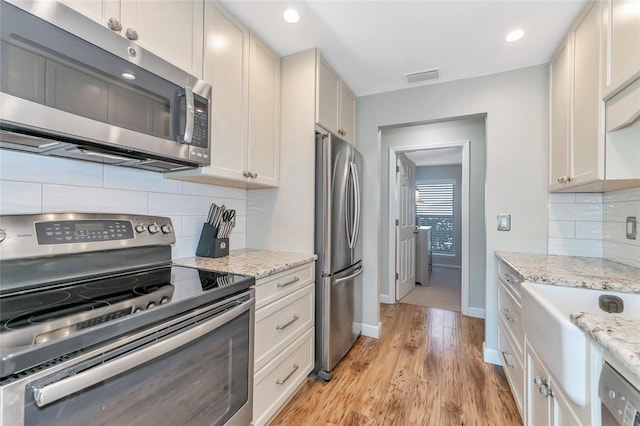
{"points": [[372, 44]]}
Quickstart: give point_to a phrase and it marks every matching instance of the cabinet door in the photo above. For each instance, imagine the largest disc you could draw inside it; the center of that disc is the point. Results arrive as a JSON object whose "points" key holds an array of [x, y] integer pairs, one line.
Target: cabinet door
{"points": [[621, 19], [560, 104], [264, 117], [347, 114], [173, 29], [226, 68], [98, 10], [587, 125], [327, 96], [539, 407], [562, 413]]}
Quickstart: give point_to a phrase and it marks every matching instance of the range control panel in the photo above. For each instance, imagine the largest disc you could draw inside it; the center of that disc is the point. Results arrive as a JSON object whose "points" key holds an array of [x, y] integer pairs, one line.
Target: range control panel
{"points": [[76, 231], [50, 234]]}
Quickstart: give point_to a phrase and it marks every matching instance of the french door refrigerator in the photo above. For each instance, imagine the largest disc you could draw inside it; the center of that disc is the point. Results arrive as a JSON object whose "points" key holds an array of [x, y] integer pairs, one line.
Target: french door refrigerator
{"points": [[339, 248]]}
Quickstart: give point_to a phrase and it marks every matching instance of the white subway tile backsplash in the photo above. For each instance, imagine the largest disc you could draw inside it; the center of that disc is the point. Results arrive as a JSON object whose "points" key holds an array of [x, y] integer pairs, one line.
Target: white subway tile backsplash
{"points": [[34, 184], [62, 198], [617, 233], [37, 168], [240, 206], [562, 198], [585, 211], [200, 189], [588, 197], [139, 180], [631, 194], [237, 240], [620, 210], [562, 229], [575, 247], [623, 253], [20, 197], [589, 230], [173, 204]]}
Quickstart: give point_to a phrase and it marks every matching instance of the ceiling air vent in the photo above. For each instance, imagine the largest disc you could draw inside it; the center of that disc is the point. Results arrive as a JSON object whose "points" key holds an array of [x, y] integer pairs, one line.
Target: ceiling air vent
{"points": [[414, 77]]}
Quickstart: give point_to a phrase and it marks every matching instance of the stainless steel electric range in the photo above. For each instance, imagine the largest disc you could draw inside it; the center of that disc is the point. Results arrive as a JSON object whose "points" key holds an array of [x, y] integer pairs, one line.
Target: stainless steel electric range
{"points": [[98, 327]]}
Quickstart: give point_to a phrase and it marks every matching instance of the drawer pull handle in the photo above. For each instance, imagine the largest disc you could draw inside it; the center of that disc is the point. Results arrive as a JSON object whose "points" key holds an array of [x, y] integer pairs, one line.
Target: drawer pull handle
{"points": [[294, 280], [504, 356], [510, 278], [282, 327], [281, 381], [505, 314]]}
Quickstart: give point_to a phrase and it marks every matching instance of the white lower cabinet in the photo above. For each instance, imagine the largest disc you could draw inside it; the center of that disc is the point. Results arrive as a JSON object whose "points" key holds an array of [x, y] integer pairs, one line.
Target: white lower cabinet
{"points": [[546, 403], [284, 339]]}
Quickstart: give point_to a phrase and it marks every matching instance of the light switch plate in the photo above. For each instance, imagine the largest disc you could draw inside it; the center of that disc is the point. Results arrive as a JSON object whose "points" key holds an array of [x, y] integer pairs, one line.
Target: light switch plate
{"points": [[504, 222]]}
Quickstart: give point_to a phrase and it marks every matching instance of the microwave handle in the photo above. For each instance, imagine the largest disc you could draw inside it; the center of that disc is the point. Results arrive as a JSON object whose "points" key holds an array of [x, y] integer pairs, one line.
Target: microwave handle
{"points": [[189, 116], [47, 394]]}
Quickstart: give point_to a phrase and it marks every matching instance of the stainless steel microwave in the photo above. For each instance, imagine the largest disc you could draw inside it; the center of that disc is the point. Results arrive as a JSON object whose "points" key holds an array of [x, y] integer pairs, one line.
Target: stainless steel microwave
{"points": [[71, 88]]}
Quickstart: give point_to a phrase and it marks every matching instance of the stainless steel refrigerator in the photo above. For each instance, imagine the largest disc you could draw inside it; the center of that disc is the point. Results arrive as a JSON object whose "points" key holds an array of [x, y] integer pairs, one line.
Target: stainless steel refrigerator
{"points": [[339, 248]]}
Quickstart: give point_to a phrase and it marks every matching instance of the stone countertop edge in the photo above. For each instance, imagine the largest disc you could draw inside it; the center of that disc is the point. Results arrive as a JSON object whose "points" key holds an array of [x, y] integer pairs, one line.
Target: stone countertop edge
{"points": [[569, 271], [618, 336], [256, 263]]}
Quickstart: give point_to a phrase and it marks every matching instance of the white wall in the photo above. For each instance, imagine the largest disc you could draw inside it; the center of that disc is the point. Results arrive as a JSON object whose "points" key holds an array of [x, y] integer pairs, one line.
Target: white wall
{"points": [[516, 104], [452, 173], [37, 184]]}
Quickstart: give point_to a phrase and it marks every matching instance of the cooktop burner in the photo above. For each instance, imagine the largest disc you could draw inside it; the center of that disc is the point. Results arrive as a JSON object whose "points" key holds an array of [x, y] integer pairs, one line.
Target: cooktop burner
{"points": [[50, 316]]}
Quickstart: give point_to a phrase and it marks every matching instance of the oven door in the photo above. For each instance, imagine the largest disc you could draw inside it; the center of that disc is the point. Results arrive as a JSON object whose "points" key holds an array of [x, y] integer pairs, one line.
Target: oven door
{"points": [[195, 372]]}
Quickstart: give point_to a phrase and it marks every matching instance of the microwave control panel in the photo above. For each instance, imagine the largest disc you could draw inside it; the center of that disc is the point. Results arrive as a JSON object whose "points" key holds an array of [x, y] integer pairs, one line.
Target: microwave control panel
{"points": [[200, 125]]}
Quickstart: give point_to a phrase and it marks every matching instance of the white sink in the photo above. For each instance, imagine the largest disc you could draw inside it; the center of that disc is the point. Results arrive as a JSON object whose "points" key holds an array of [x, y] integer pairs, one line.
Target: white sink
{"points": [[561, 344]]}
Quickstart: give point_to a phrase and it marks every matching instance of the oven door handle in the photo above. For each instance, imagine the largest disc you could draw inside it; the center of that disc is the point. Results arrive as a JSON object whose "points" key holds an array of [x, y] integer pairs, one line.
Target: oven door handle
{"points": [[46, 394]]}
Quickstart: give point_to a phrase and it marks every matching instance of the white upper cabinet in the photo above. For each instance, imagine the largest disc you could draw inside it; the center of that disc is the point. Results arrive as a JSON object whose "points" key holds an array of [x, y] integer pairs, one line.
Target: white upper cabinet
{"points": [[335, 103], [245, 117], [172, 29], [264, 115], [621, 44], [580, 159]]}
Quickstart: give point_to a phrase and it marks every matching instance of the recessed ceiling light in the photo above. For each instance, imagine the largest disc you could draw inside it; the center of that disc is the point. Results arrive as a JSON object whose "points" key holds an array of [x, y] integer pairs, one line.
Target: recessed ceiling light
{"points": [[128, 76], [291, 16], [514, 35]]}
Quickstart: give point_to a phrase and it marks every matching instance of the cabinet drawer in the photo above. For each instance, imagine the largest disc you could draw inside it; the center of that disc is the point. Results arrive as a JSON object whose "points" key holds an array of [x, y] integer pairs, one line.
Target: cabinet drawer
{"points": [[281, 322], [510, 279], [276, 286], [279, 379], [513, 368], [510, 313]]}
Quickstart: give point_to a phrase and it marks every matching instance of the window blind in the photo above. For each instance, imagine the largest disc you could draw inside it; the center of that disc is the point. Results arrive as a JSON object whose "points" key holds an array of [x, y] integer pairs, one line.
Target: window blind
{"points": [[438, 211]]}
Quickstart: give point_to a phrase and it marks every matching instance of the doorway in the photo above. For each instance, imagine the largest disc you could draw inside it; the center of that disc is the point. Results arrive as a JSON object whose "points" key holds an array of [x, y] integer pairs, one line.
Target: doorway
{"points": [[447, 285]]}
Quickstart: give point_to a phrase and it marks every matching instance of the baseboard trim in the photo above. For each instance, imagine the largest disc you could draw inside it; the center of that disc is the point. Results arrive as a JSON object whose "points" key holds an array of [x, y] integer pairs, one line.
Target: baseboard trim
{"points": [[491, 355], [476, 312], [386, 299], [371, 330], [447, 266]]}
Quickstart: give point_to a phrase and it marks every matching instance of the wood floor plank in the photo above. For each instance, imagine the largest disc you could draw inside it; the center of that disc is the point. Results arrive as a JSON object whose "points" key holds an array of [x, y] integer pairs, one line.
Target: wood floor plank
{"points": [[425, 369]]}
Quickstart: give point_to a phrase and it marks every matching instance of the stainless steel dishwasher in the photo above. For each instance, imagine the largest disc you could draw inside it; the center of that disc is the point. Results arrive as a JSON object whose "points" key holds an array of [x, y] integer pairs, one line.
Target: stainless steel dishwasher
{"points": [[620, 399]]}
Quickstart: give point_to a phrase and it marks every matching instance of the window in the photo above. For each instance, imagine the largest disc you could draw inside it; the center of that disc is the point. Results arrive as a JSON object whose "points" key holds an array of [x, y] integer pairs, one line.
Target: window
{"points": [[437, 210]]}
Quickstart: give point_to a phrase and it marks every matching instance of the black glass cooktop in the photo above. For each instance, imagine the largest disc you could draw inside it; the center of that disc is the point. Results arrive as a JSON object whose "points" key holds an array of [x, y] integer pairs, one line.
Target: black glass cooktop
{"points": [[49, 316]]}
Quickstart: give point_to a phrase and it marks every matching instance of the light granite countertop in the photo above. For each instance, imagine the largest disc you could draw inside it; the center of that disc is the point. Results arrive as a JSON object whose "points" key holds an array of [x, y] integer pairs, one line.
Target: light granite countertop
{"points": [[619, 337], [257, 263], [569, 271]]}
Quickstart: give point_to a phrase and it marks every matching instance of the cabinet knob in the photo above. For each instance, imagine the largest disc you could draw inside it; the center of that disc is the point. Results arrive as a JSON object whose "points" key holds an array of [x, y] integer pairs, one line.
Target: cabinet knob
{"points": [[131, 34], [246, 174], [564, 179], [254, 175], [114, 24]]}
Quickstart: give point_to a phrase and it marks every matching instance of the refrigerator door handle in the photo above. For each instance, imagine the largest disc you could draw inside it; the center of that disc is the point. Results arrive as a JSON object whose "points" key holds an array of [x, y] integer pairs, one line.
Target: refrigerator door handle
{"points": [[357, 195], [354, 204], [348, 277]]}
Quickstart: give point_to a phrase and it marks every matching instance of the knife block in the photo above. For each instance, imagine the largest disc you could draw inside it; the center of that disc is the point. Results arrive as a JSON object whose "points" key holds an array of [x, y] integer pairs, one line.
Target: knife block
{"points": [[209, 245]]}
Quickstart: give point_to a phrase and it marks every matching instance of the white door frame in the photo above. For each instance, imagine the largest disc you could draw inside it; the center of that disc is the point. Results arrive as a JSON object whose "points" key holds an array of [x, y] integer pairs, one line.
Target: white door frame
{"points": [[393, 201]]}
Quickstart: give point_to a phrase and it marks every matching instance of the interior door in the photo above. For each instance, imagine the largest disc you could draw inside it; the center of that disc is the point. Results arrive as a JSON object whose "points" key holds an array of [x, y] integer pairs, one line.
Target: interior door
{"points": [[405, 226]]}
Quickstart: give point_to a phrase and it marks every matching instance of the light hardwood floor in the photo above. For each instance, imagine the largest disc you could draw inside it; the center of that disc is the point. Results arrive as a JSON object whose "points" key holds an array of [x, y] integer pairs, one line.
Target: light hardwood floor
{"points": [[426, 369]]}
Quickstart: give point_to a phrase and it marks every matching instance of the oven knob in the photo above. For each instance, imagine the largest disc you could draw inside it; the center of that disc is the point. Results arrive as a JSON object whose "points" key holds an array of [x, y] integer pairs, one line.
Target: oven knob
{"points": [[136, 310], [612, 394], [140, 228], [166, 229], [3, 235], [154, 228], [151, 305], [164, 300]]}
